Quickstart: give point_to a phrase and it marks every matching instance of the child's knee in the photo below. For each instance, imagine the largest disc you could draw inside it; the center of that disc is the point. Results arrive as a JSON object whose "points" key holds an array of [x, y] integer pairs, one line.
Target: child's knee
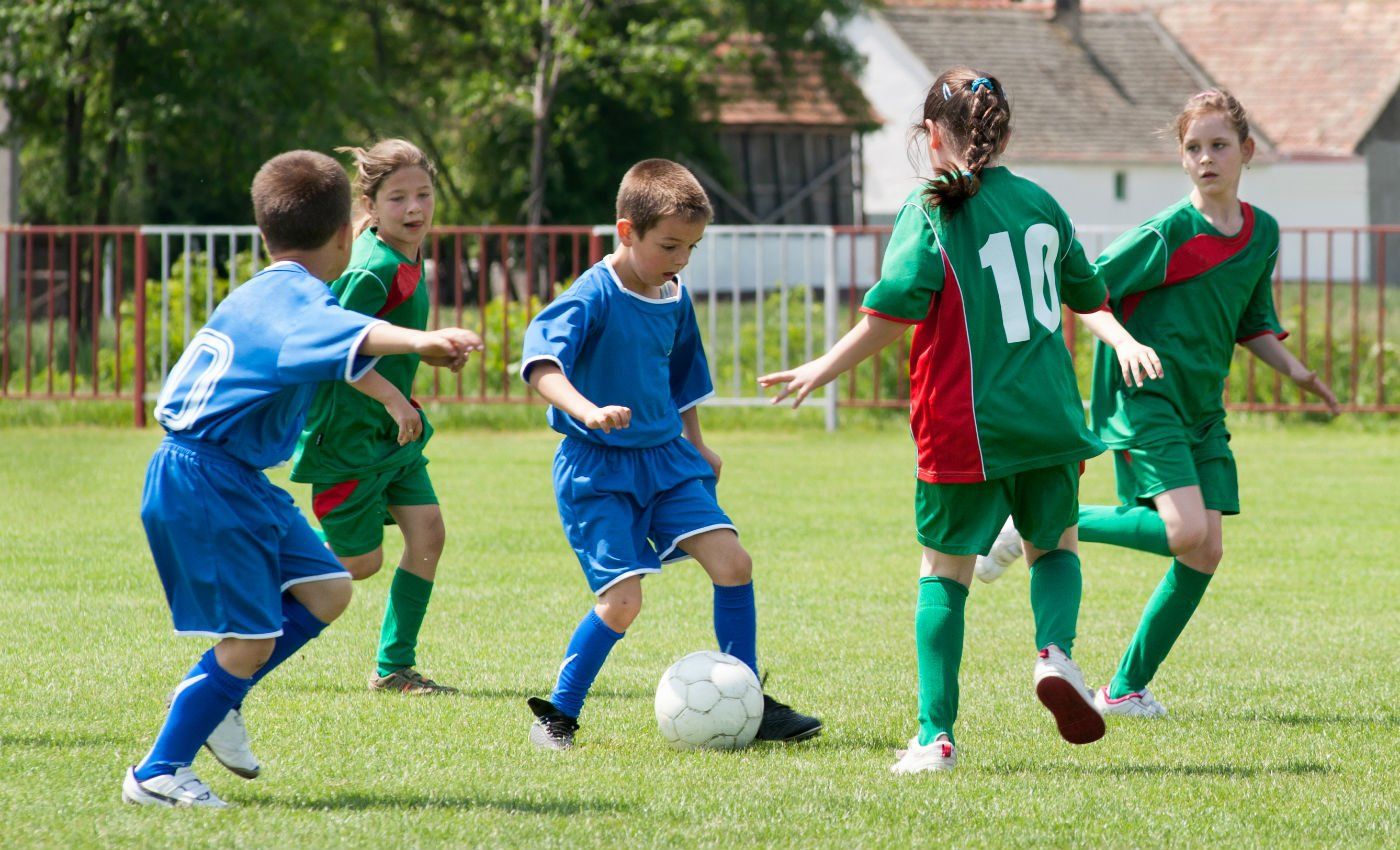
{"points": [[431, 537], [1185, 534], [242, 657], [363, 566], [620, 604], [734, 569], [326, 600]]}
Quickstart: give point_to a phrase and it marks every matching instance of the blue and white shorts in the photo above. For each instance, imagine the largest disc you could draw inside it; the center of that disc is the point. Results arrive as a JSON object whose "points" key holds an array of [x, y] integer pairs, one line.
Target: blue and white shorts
{"points": [[226, 541], [627, 511]]}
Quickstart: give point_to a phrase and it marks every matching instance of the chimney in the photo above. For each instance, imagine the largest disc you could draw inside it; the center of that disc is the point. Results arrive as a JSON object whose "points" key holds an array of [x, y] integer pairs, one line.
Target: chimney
{"points": [[1067, 16]]}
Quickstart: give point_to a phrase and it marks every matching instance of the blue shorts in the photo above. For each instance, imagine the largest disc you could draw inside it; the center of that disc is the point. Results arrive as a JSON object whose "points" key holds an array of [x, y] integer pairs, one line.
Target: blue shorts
{"points": [[226, 542], [626, 511]]}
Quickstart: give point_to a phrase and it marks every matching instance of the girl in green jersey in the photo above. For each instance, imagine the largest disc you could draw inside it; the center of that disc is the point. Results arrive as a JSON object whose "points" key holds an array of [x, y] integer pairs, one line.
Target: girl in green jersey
{"points": [[979, 262]]}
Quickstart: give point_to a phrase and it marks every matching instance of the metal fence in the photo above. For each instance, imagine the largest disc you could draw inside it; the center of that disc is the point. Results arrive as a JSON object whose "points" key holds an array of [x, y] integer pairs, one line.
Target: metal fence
{"points": [[80, 308]]}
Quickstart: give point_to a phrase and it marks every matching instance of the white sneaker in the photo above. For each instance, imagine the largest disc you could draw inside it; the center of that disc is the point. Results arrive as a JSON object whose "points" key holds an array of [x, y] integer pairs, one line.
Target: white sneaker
{"points": [[1136, 704], [941, 755], [1060, 687], [1005, 551], [230, 745], [182, 788]]}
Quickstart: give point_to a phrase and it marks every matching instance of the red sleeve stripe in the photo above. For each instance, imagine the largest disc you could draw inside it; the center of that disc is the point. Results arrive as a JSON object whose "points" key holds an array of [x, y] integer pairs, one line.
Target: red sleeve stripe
{"points": [[877, 314], [1102, 308], [1279, 334]]}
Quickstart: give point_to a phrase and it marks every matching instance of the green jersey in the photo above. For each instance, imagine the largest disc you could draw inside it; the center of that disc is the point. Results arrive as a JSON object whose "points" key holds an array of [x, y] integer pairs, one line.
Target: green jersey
{"points": [[991, 386], [348, 434], [1179, 285]]}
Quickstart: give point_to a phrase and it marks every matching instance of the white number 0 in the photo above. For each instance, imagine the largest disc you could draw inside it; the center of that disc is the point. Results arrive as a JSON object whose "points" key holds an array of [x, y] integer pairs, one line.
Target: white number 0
{"points": [[212, 350], [1042, 250]]}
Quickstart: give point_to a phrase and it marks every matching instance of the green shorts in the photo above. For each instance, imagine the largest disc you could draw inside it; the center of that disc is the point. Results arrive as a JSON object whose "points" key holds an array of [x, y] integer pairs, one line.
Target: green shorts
{"points": [[1209, 464], [964, 519], [353, 513]]}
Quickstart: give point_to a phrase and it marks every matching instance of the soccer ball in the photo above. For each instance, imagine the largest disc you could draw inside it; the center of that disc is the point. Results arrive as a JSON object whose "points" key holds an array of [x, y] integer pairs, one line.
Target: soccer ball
{"points": [[709, 699]]}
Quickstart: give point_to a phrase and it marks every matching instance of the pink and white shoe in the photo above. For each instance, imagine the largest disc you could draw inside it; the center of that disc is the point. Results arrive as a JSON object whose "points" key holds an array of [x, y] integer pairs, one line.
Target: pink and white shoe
{"points": [[1060, 687], [940, 755], [1136, 704]]}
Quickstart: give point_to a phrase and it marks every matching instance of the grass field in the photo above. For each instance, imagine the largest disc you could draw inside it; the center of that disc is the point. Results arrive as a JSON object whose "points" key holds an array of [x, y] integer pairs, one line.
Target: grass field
{"points": [[1284, 727]]}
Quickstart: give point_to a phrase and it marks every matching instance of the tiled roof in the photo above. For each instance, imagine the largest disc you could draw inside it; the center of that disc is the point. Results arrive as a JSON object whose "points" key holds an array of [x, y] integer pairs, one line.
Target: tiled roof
{"points": [[809, 100], [1313, 74], [1105, 97]]}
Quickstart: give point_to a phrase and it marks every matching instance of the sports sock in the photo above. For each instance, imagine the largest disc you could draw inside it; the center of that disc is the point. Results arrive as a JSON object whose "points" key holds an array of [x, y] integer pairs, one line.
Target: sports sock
{"points": [[199, 704], [736, 623], [1056, 587], [938, 628], [588, 649], [403, 617], [1138, 527], [299, 627], [1167, 613]]}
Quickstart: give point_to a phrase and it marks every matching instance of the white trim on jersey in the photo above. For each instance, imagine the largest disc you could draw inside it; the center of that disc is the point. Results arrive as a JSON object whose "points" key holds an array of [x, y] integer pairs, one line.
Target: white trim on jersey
{"points": [[666, 556], [1165, 247], [640, 571], [308, 579], [350, 374], [668, 299], [537, 358], [222, 635], [699, 400]]}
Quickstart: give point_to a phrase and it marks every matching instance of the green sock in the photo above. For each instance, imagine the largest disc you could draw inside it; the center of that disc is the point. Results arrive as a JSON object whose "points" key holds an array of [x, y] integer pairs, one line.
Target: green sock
{"points": [[1056, 586], [1167, 613], [403, 616], [938, 628], [1138, 527]]}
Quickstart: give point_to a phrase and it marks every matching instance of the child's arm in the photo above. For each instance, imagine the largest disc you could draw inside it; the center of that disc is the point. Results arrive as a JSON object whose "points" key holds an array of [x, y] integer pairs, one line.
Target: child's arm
{"points": [[1268, 348], [690, 429], [377, 387], [1138, 362], [448, 347], [869, 336], [549, 381]]}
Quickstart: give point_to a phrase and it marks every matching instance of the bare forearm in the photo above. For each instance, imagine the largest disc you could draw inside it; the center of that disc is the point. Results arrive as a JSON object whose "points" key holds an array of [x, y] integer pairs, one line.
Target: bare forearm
{"points": [[868, 337], [385, 338], [1269, 349], [549, 381], [690, 426], [1106, 327], [377, 387]]}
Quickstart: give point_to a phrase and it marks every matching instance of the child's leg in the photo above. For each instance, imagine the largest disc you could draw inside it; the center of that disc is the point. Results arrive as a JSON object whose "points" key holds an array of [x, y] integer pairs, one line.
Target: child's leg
{"points": [[1138, 527], [938, 630], [1180, 591], [730, 569], [307, 609], [214, 685], [1056, 588], [592, 640], [424, 536]]}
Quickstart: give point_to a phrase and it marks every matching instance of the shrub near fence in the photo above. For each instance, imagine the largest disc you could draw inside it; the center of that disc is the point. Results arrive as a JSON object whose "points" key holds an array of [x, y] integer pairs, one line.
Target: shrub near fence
{"points": [[74, 323]]}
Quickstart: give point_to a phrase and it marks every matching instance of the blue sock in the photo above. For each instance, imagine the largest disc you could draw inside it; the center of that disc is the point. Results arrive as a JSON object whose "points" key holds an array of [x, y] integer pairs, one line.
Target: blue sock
{"points": [[588, 649], [736, 623], [201, 702], [299, 627]]}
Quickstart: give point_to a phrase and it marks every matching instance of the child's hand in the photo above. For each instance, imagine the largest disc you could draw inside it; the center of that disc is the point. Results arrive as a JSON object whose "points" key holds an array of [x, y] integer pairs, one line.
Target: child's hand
{"points": [[711, 457], [797, 383], [1138, 362], [449, 347], [1308, 381], [608, 418], [409, 421]]}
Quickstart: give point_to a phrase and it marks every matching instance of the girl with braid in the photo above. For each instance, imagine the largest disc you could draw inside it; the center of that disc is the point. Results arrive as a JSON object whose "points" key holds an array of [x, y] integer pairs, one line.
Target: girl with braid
{"points": [[1194, 281], [978, 263]]}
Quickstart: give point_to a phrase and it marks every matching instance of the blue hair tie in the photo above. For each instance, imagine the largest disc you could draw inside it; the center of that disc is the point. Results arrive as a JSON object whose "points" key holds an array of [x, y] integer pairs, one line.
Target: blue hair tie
{"points": [[967, 174], [979, 83], [947, 93]]}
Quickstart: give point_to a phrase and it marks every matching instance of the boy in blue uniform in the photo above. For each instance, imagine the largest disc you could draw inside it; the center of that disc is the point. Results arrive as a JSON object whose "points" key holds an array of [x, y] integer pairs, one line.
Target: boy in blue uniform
{"points": [[619, 358], [237, 560]]}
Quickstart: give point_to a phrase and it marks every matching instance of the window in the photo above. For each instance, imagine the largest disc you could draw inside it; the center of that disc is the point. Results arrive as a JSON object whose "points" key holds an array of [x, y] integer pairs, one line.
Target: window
{"points": [[1120, 185]]}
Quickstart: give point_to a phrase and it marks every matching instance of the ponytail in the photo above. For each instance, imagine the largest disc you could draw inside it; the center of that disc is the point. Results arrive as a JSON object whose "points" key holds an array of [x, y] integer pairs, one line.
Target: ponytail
{"points": [[972, 112]]}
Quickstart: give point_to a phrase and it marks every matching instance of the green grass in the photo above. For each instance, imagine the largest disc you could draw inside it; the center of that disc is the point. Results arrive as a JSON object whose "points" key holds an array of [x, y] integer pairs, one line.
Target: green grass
{"points": [[1284, 727]]}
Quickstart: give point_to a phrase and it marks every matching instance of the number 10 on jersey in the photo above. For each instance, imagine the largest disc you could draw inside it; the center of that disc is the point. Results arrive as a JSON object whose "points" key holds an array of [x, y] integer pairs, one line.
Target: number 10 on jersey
{"points": [[1042, 245]]}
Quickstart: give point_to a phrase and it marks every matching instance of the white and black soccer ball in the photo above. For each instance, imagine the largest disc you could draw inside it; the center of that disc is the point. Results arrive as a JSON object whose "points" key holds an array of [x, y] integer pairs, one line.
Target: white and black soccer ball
{"points": [[709, 699]]}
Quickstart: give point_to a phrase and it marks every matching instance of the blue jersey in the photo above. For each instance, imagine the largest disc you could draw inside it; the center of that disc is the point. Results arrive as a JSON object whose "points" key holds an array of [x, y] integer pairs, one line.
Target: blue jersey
{"points": [[618, 347], [245, 381]]}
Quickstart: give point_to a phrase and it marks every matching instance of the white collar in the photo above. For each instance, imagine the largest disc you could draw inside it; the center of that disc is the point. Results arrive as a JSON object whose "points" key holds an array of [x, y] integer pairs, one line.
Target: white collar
{"points": [[667, 299]]}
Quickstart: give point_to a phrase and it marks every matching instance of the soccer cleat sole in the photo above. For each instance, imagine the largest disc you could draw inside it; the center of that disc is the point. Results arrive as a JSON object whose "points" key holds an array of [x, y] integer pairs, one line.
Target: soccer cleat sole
{"points": [[236, 771], [1078, 720], [804, 735]]}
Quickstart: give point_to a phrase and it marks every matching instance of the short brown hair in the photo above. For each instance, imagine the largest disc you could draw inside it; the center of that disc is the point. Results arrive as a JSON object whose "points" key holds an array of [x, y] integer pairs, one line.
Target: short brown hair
{"points": [[1208, 101], [300, 200], [654, 189]]}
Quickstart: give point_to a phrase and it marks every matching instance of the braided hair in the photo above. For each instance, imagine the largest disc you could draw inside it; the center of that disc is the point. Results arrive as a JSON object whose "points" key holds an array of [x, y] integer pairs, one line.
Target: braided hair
{"points": [[971, 111]]}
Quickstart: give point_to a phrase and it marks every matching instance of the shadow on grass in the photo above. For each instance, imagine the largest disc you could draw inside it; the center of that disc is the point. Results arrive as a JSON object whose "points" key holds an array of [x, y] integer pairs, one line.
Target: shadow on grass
{"points": [[1299, 719], [408, 800], [63, 740], [1237, 771]]}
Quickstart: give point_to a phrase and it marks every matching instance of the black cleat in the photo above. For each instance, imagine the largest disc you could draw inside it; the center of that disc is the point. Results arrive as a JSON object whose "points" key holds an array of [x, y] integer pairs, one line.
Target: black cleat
{"points": [[552, 729], [781, 723]]}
